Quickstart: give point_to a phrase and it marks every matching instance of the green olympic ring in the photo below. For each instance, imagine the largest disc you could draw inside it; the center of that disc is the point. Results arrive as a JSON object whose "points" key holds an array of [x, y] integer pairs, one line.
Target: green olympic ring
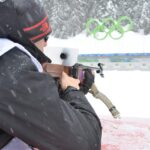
{"points": [[108, 26]]}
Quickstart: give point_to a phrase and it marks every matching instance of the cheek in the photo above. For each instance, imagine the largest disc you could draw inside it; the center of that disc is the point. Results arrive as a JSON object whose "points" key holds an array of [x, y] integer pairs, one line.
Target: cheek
{"points": [[44, 43]]}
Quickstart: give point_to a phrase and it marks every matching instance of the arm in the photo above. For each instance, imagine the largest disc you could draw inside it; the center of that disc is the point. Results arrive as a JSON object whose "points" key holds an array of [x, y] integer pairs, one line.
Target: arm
{"points": [[33, 111]]}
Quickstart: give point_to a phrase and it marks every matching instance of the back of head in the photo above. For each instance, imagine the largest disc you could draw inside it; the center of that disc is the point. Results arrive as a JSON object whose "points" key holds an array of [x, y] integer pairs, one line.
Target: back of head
{"points": [[23, 21]]}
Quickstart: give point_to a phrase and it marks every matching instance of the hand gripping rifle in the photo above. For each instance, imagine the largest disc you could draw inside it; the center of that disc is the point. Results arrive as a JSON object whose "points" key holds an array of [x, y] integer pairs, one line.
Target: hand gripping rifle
{"points": [[77, 71]]}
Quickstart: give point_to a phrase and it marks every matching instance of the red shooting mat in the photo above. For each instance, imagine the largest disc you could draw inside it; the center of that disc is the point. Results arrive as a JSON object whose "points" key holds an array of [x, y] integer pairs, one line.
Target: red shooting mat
{"points": [[125, 134]]}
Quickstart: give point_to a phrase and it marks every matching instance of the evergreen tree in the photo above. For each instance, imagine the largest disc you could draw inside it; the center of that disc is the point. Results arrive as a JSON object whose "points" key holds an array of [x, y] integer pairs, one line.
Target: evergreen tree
{"points": [[68, 17]]}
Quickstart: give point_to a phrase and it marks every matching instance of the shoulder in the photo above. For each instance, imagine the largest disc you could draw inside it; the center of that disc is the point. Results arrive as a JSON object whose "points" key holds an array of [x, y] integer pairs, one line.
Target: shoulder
{"points": [[15, 58]]}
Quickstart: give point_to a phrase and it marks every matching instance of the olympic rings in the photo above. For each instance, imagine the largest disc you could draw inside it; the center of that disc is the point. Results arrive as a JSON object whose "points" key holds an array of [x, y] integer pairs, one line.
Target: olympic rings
{"points": [[108, 26]]}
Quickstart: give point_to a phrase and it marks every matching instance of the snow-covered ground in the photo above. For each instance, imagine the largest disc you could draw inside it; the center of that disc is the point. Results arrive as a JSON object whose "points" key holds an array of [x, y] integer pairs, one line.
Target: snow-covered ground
{"points": [[125, 134], [128, 90], [130, 43]]}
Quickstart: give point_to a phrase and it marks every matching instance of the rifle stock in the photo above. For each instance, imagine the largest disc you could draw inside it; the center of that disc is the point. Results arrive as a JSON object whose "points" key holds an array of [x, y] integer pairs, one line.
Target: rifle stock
{"points": [[55, 70]]}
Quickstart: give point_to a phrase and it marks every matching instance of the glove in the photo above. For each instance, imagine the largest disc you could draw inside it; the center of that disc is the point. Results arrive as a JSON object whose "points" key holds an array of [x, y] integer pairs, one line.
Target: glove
{"points": [[87, 82]]}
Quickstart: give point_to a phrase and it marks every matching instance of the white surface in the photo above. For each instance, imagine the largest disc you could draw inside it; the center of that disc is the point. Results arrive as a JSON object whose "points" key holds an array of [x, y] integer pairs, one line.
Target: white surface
{"points": [[131, 42], [128, 90], [71, 55]]}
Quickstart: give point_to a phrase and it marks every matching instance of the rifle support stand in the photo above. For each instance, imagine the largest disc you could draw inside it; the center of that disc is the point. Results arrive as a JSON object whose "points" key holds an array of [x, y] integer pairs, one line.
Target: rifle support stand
{"points": [[97, 94]]}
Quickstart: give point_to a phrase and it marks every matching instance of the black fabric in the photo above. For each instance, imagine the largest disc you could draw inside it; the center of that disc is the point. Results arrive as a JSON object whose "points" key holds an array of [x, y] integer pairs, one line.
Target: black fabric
{"points": [[5, 138], [31, 109], [88, 81], [40, 56], [17, 15]]}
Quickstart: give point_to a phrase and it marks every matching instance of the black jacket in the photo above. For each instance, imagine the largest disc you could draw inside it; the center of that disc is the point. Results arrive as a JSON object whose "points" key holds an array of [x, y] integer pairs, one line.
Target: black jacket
{"points": [[32, 110]]}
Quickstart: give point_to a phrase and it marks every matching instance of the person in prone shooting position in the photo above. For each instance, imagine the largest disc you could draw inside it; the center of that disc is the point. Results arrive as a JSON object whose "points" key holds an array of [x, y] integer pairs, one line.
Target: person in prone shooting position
{"points": [[32, 112]]}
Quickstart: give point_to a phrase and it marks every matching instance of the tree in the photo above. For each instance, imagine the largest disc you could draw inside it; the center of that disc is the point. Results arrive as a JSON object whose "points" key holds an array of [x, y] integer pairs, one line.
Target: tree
{"points": [[68, 18]]}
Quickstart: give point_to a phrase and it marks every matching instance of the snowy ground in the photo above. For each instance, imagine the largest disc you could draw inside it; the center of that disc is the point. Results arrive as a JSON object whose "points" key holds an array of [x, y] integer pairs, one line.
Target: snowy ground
{"points": [[128, 90], [125, 134], [130, 43]]}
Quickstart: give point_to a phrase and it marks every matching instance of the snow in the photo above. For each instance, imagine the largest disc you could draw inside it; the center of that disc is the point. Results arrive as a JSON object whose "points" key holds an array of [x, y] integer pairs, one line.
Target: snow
{"points": [[125, 134], [128, 90], [130, 43]]}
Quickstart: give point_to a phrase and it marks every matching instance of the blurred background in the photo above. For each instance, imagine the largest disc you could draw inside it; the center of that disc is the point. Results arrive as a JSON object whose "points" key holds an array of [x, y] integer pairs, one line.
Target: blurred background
{"points": [[126, 61]]}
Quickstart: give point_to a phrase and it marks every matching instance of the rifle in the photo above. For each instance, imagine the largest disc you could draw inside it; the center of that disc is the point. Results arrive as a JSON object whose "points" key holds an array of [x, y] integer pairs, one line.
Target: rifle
{"points": [[77, 71]]}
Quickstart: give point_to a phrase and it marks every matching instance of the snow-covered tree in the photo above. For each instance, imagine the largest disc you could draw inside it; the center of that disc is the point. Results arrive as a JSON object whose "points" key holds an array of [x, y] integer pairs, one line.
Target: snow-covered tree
{"points": [[68, 17]]}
